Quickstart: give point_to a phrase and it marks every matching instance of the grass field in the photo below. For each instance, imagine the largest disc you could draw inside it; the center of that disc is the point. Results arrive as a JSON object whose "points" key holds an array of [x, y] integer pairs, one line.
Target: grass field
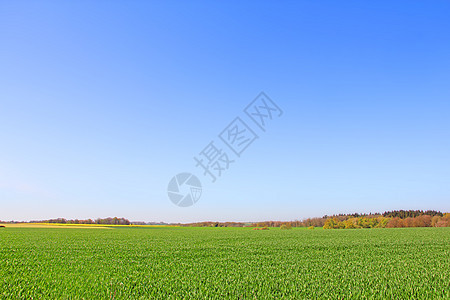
{"points": [[217, 263]]}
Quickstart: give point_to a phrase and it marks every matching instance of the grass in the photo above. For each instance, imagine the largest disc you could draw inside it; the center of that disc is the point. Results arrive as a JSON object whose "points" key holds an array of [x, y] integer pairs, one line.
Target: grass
{"points": [[218, 263]]}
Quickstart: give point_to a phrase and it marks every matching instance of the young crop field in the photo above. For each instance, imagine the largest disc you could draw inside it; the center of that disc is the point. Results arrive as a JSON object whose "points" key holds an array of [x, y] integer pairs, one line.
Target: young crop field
{"points": [[224, 263]]}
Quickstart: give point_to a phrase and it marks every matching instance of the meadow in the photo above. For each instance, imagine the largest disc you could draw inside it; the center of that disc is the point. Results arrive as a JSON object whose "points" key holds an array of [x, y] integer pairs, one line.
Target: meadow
{"points": [[223, 263]]}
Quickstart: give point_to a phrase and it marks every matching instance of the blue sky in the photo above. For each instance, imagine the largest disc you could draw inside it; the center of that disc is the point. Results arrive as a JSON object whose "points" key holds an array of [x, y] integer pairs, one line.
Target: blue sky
{"points": [[102, 103]]}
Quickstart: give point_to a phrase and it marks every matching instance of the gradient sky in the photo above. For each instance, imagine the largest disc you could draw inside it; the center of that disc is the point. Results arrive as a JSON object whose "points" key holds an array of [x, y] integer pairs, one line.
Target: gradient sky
{"points": [[102, 102]]}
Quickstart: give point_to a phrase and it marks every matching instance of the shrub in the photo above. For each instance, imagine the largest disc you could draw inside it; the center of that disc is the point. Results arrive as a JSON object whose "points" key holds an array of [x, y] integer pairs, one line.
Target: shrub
{"points": [[435, 220], [333, 223], [286, 226], [442, 223], [263, 228]]}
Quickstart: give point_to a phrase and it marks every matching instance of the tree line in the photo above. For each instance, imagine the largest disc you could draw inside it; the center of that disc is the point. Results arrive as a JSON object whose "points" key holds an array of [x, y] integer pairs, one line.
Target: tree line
{"points": [[423, 220], [403, 214], [105, 221], [389, 219]]}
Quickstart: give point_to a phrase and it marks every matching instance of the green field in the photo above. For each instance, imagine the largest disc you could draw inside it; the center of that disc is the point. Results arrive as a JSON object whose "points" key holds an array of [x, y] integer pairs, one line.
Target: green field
{"points": [[217, 263]]}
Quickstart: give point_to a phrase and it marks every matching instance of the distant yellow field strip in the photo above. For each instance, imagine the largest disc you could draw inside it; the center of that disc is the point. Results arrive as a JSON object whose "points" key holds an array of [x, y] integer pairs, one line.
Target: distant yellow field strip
{"points": [[84, 226], [45, 225]]}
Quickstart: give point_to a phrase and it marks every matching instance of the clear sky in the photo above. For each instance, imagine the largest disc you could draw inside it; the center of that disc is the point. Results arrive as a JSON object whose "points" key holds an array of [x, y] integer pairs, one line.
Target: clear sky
{"points": [[103, 102]]}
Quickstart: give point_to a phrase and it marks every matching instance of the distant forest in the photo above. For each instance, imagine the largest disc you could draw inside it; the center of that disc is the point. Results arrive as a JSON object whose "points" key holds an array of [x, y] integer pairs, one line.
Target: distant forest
{"points": [[106, 221], [389, 219]]}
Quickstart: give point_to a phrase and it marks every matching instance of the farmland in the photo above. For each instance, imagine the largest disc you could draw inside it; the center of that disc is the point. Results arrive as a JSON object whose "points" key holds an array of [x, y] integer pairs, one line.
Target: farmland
{"points": [[235, 263]]}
